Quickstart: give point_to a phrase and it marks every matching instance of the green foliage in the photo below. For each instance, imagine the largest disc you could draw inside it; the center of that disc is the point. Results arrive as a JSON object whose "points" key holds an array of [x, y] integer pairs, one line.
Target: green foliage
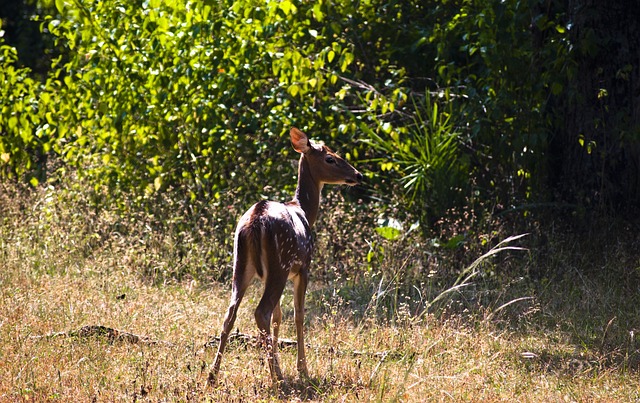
{"points": [[161, 95], [504, 60], [25, 118], [194, 98], [425, 154]]}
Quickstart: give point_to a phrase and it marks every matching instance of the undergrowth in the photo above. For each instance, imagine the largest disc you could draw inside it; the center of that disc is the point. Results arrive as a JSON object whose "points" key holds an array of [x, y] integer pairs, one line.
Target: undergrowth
{"points": [[410, 318]]}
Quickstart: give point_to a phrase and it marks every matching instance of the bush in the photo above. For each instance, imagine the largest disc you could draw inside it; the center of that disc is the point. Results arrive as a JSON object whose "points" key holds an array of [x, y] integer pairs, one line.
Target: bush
{"points": [[183, 95], [193, 99], [425, 155]]}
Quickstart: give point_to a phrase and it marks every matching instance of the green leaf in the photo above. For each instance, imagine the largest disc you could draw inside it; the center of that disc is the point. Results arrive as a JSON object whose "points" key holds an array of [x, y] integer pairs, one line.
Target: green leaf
{"points": [[347, 59], [13, 122], [389, 233], [454, 242], [330, 56], [317, 12], [285, 6], [389, 228], [294, 89]]}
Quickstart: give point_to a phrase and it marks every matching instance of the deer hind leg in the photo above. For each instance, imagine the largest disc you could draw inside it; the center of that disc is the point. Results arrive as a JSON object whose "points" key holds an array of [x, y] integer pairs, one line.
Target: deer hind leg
{"points": [[274, 286], [242, 276], [299, 288], [276, 320]]}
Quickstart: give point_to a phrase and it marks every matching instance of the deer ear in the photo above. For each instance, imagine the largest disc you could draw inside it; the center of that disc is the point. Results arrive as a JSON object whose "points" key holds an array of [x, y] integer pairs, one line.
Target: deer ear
{"points": [[299, 141]]}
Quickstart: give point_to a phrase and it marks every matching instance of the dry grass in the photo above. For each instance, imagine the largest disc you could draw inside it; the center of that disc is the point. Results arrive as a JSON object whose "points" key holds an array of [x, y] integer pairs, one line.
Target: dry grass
{"points": [[54, 279]]}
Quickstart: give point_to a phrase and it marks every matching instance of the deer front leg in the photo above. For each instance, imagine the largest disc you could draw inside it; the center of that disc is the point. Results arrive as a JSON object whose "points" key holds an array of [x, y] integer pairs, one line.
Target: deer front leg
{"points": [[299, 290]]}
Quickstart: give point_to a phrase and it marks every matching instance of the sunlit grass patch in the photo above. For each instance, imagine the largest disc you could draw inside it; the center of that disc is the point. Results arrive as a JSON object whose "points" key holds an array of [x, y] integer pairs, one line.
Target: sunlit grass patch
{"points": [[371, 334]]}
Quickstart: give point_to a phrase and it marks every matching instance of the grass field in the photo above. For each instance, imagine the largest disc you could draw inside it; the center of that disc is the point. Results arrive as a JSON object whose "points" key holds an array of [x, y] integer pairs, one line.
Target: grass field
{"points": [[568, 339]]}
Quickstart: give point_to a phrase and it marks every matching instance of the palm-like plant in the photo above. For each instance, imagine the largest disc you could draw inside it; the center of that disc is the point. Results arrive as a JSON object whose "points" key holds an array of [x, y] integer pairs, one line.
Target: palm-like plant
{"points": [[425, 154]]}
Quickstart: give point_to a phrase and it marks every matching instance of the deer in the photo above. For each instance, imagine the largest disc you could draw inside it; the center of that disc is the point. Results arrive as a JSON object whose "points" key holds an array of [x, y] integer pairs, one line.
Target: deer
{"points": [[273, 241]]}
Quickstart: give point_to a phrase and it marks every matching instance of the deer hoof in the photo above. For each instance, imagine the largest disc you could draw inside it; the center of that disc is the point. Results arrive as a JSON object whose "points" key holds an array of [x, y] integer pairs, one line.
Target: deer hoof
{"points": [[212, 380]]}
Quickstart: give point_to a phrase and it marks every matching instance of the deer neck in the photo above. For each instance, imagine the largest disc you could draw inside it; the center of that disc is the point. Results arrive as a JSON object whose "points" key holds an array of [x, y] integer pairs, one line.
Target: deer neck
{"points": [[308, 192]]}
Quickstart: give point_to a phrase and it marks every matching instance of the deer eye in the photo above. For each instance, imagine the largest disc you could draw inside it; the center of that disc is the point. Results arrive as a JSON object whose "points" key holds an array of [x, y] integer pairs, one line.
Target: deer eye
{"points": [[330, 160]]}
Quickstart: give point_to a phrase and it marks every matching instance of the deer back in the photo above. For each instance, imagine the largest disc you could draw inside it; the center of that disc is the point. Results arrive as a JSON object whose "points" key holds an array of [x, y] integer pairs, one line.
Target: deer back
{"points": [[276, 233]]}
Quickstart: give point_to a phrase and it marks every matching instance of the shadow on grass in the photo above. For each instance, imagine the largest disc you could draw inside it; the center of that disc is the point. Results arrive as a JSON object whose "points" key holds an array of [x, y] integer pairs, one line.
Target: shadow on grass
{"points": [[292, 389], [581, 363], [312, 388]]}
